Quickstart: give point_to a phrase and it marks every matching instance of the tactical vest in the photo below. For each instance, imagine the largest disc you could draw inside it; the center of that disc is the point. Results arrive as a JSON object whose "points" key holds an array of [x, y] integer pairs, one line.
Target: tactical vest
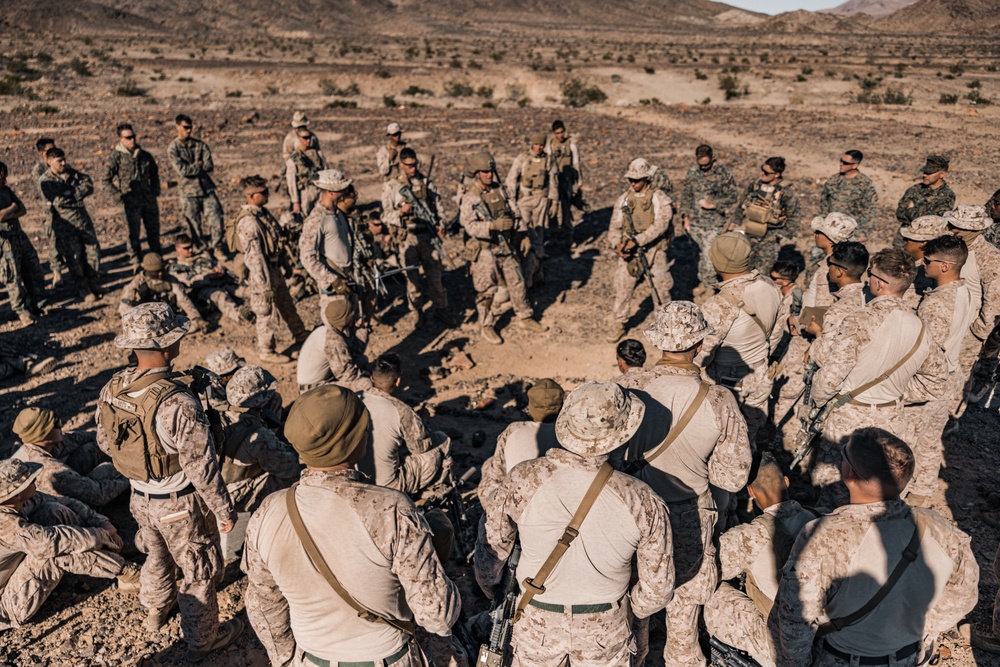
{"points": [[307, 165], [495, 203], [561, 153], [535, 175], [763, 209], [150, 290], [267, 229], [419, 188], [394, 159], [235, 434], [641, 208], [130, 427]]}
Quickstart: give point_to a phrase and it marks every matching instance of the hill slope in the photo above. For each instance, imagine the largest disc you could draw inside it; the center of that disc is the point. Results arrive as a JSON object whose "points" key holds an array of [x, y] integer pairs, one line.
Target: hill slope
{"points": [[948, 16], [869, 7]]}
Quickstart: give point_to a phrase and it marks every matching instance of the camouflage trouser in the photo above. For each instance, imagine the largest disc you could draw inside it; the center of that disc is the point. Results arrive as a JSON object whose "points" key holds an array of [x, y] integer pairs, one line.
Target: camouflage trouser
{"points": [[10, 366], [702, 237], [248, 494], [418, 251], [534, 209], [764, 250], [20, 273], [733, 618], [56, 261], [222, 299], [82, 252], [35, 579], [487, 271], [90, 461], [928, 422], [752, 391], [564, 211], [841, 423], [789, 394], [142, 211], [268, 308], [190, 543], [550, 639], [192, 210], [624, 284]]}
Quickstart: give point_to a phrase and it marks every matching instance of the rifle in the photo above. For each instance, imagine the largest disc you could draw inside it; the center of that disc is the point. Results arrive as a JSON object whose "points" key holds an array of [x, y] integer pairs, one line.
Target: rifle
{"points": [[724, 655], [502, 615], [500, 238], [208, 384], [448, 497], [423, 212], [367, 272], [640, 254]]}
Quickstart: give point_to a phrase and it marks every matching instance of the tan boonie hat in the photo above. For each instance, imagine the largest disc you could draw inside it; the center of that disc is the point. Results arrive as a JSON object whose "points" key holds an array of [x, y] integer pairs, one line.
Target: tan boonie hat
{"points": [[925, 228], [300, 119], [970, 217], [250, 387], [332, 180], [482, 161], [598, 417], [639, 169], [326, 424], [730, 253], [545, 399], [679, 326], [151, 326], [838, 227], [224, 362], [393, 128], [15, 476], [152, 262], [33, 424], [538, 139]]}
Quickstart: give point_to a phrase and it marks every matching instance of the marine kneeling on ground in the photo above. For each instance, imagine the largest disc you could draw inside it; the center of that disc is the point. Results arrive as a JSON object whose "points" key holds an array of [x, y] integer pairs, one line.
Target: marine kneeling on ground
{"points": [[207, 281], [154, 284], [333, 353]]}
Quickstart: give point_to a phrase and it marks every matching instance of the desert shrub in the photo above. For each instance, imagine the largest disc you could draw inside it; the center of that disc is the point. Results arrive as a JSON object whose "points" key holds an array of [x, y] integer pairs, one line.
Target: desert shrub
{"points": [[576, 93], [800, 78], [458, 89], [731, 85], [701, 76], [474, 65], [484, 91], [381, 72], [975, 83], [807, 70], [80, 67], [948, 99], [234, 93], [977, 98], [128, 88], [342, 104], [649, 70], [329, 87], [389, 102], [417, 90]]}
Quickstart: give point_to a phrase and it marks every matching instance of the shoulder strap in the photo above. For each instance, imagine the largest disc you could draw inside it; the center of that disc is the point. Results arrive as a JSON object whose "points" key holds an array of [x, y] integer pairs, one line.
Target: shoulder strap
{"points": [[535, 585], [841, 399], [316, 558], [674, 433], [741, 304], [909, 555]]}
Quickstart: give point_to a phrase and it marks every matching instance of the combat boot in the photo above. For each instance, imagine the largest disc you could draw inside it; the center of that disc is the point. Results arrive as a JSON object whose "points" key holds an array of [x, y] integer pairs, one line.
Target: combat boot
{"points": [[228, 632], [35, 366], [274, 358], [26, 318], [534, 326], [617, 333], [983, 639], [128, 579], [157, 618], [491, 336]]}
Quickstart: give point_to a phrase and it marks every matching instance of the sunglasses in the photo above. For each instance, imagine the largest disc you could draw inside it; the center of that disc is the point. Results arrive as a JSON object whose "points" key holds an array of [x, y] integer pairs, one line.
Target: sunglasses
{"points": [[409, 165], [187, 127], [843, 455], [128, 138], [875, 275], [845, 163], [184, 247], [768, 173], [928, 261], [839, 266]]}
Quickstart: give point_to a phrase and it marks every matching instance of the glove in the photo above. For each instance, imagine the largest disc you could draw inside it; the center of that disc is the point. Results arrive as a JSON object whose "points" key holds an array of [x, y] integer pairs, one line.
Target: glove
{"points": [[525, 245], [503, 224]]}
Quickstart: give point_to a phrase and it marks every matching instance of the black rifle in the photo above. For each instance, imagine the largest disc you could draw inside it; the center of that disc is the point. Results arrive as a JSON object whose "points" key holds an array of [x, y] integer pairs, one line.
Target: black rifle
{"points": [[724, 655], [367, 272], [494, 653], [500, 238], [426, 215], [208, 384], [465, 529], [639, 253]]}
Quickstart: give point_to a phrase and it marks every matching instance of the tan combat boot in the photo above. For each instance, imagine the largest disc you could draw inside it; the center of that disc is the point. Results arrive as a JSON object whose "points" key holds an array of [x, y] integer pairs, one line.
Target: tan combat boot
{"points": [[491, 336], [157, 618], [229, 632], [274, 358], [531, 325], [128, 579]]}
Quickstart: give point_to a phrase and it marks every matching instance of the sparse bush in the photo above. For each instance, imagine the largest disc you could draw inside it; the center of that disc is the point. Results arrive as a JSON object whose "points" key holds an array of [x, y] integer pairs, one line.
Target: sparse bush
{"points": [[649, 70], [616, 78], [732, 86], [977, 98], [381, 72], [576, 93], [458, 89], [497, 56], [342, 104], [329, 87], [412, 52], [484, 91], [707, 100], [185, 79], [948, 99], [488, 105], [474, 65], [417, 90], [869, 82], [807, 70], [129, 88], [800, 78], [701, 76], [652, 102], [389, 102], [12, 86], [899, 71], [524, 102], [80, 67], [271, 91], [456, 64], [975, 83], [957, 70], [894, 95]]}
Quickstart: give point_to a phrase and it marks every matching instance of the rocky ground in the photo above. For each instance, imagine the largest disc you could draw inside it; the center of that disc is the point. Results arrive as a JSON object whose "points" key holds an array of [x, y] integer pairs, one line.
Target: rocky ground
{"points": [[88, 623]]}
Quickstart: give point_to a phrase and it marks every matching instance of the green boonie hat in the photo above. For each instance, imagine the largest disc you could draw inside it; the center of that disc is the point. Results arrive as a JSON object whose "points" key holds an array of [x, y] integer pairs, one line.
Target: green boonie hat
{"points": [[326, 424], [151, 326], [152, 262], [482, 161], [730, 253], [545, 399], [598, 417], [935, 163], [15, 476]]}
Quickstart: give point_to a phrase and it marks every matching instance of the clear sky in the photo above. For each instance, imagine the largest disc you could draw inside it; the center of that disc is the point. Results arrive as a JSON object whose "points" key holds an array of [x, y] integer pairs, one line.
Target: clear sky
{"points": [[778, 6]]}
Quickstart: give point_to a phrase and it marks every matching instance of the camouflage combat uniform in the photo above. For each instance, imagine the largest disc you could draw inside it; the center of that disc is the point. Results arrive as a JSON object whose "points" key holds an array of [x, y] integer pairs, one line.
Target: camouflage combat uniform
{"points": [[839, 562], [533, 182], [206, 284], [868, 343], [326, 249], [627, 520], [521, 441], [253, 461], [718, 186], [566, 158], [56, 261], [920, 200], [192, 160], [712, 450], [196, 495], [783, 200], [301, 168], [145, 289], [736, 355], [387, 160], [345, 356], [138, 188], [20, 272], [403, 454], [381, 553], [856, 197], [651, 212], [413, 237], [72, 225], [759, 550], [75, 468], [257, 233], [982, 276]]}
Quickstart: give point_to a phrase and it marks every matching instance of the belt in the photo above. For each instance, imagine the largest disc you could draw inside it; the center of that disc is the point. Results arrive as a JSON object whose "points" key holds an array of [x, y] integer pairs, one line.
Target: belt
{"points": [[385, 662], [904, 652], [186, 491], [689, 501], [574, 609], [890, 404]]}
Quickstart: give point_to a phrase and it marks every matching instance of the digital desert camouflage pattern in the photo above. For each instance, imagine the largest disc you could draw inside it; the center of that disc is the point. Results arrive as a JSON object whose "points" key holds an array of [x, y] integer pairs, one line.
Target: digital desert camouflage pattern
{"points": [[326, 250], [520, 441], [260, 450], [345, 355], [403, 454], [627, 520], [765, 248], [383, 556], [250, 387], [836, 226], [679, 326], [855, 196], [224, 362], [840, 561], [20, 271], [987, 259], [387, 159], [146, 289], [205, 283], [75, 469], [718, 187], [301, 168]]}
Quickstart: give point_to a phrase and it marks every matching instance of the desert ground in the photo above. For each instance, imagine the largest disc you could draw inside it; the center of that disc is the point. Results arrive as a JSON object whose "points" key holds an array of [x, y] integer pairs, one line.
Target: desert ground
{"points": [[660, 96]]}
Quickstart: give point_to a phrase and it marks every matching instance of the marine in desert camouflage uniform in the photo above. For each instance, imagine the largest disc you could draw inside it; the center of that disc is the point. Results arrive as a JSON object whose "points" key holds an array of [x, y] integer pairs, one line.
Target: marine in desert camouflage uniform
{"points": [[206, 281], [72, 466], [158, 436], [533, 183], [583, 613], [646, 213], [831, 571], [852, 193], [565, 153], [132, 177], [291, 140], [387, 156], [301, 168], [257, 239], [768, 192], [381, 553], [710, 452], [20, 272], [709, 192], [153, 283], [932, 196], [192, 161]]}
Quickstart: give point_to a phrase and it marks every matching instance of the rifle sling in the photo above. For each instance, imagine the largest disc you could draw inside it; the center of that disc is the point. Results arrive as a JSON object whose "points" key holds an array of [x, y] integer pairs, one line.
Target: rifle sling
{"points": [[909, 555], [316, 558], [535, 585], [674, 433], [841, 399], [741, 304]]}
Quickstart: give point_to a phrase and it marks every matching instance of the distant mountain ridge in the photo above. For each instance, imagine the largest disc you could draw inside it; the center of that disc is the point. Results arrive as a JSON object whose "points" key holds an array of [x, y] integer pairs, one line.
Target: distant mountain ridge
{"points": [[945, 16], [870, 7]]}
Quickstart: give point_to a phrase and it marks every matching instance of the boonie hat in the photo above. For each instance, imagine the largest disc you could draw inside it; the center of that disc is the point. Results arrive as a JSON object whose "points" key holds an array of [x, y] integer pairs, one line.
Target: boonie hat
{"points": [[925, 228], [838, 227], [970, 217], [332, 180], [250, 387], [224, 362], [598, 417], [15, 476], [151, 326], [679, 326], [33, 424], [300, 119]]}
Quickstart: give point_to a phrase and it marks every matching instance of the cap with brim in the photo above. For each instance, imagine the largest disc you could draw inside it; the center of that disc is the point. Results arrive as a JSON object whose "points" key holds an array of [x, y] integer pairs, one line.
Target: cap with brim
{"points": [[299, 119], [935, 163], [326, 424], [598, 417], [545, 399], [16, 476], [679, 326], [151, 326], [639, 169], [224, 362], [33, 424], [332, 180], [925, 228], [393, 128], [970, 217]]}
